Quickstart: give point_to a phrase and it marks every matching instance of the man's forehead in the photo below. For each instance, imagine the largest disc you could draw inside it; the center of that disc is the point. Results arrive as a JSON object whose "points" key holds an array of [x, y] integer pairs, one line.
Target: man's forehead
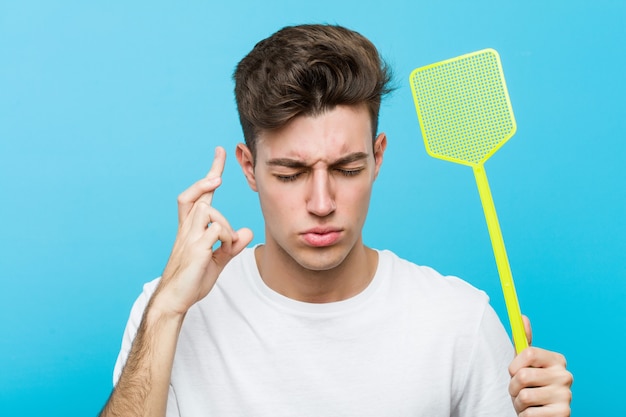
{"points": [[329, 135]]}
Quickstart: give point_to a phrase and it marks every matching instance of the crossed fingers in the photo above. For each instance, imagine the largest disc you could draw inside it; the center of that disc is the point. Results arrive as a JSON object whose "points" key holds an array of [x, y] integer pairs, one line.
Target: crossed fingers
{"points": [[202, 190]]}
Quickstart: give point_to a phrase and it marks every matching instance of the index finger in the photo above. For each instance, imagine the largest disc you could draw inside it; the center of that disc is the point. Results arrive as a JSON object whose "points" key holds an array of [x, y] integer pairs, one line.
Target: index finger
{"points": [[204, 188], [216, 171], [533, 357], [219, 160]]}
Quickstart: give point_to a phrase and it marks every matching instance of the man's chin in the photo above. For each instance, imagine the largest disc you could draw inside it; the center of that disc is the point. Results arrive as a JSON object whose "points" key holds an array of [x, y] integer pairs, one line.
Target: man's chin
{"points": [[322, 259]]}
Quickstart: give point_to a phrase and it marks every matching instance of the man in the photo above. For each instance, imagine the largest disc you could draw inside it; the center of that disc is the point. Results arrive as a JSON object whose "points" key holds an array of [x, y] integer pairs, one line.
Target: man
{"points": [[313, 322]]}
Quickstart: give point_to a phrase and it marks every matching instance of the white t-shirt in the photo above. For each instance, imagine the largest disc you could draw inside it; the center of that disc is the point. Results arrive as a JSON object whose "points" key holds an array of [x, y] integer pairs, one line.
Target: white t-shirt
{"points": [[413, 343]]}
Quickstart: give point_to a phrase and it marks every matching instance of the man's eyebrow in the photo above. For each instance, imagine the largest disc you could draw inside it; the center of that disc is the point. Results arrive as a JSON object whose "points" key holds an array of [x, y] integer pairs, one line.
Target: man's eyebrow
{"points": [[353, 157], [286, 162], [294, 163]]}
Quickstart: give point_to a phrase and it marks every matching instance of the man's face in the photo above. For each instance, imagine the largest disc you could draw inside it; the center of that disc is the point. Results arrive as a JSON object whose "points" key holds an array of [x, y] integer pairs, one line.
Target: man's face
{"points": [[314, 177]]}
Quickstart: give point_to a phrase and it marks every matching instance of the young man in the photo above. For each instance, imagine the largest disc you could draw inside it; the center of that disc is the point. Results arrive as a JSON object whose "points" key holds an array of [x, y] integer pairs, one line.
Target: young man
{"points": [[313, 322]]}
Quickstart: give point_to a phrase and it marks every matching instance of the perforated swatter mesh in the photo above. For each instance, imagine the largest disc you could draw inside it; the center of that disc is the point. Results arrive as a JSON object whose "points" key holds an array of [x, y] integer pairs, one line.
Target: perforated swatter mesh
{"points": [[464, 108]]}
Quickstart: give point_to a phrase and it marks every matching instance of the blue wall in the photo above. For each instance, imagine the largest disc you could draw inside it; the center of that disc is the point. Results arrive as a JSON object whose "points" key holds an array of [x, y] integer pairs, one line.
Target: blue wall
{"points": [[109, 109]]}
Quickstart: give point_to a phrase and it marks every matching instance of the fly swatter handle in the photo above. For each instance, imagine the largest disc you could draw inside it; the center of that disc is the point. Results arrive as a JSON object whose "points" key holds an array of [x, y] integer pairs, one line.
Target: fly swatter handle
{"points": [[499, 251]]}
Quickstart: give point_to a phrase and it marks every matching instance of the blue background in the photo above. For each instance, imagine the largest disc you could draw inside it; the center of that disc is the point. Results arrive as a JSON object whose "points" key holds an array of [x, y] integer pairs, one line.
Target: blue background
{"points": [[109, 109]]}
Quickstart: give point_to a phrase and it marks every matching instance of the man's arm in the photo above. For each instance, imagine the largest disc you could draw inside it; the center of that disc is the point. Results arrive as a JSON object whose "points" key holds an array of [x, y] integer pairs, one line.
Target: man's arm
{"points": [[190, 274], [143, 385], [540, 383]]}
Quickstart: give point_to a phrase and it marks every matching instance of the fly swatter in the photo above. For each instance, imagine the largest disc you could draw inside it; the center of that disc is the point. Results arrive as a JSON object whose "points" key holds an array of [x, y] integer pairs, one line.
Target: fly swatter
{"points": [[465, 115]]}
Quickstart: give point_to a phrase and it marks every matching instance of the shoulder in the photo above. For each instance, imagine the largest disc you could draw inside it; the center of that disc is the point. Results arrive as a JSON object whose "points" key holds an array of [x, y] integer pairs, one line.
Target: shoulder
{"points": [[447, 302], [427, 281]]}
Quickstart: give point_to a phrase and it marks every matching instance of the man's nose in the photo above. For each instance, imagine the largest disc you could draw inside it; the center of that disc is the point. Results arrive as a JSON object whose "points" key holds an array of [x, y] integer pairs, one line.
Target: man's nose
{"points": [[321, 197]]}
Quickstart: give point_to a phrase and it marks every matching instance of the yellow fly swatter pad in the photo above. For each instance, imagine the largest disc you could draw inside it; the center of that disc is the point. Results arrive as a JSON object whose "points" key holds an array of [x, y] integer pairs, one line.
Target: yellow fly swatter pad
{"points": [[463, 107]]}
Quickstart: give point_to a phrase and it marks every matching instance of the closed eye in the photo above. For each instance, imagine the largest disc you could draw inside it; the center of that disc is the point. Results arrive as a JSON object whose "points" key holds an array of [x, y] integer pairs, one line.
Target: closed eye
{"points": [[349, 172], [344, 172], [288, 178]]}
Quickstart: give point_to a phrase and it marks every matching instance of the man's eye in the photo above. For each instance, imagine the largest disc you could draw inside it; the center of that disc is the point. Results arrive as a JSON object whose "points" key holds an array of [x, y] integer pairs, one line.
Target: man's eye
{"points": [[350, 172], [287, 178]]}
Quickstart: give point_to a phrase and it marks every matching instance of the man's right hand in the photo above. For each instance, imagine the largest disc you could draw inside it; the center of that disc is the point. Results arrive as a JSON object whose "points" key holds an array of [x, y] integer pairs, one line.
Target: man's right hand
{"points": [[194, 264], [190, 274]]}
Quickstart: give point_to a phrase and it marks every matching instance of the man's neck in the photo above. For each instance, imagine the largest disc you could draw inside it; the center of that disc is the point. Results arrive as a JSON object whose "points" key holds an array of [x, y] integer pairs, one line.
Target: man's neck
{"points": [[284, 275]]}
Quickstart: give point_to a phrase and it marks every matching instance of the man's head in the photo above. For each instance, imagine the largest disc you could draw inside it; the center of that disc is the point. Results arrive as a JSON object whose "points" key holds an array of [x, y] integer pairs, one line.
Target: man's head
{"points": [[308, 99], [307, 70]]}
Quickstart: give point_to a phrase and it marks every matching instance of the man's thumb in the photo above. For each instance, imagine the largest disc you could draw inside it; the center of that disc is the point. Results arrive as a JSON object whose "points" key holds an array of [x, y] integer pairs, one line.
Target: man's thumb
{"points": [[528, 329]]}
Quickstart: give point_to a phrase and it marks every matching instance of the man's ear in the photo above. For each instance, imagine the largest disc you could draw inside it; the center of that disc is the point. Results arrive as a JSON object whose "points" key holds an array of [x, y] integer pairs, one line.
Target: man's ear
{"points": [[380, 144], [246, 160]]}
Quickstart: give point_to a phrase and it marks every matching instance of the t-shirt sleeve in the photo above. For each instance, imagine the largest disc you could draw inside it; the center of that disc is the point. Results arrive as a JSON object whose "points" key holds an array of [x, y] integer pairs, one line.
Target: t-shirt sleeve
{"points": [[136, 313], [486, 392]]}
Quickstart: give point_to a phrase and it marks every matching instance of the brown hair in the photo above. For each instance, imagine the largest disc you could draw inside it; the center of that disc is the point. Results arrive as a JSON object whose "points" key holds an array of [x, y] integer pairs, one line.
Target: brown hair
{"points": [[306, 70]]}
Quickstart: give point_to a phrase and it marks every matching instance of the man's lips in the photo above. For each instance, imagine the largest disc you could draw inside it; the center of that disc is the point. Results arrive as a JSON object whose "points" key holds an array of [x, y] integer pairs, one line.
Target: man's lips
{"points": [[320, 237]]}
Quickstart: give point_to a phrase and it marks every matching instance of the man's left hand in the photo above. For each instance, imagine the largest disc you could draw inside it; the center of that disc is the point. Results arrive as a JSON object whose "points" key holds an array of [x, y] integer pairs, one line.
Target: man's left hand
{"points": [[540, 383]]}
